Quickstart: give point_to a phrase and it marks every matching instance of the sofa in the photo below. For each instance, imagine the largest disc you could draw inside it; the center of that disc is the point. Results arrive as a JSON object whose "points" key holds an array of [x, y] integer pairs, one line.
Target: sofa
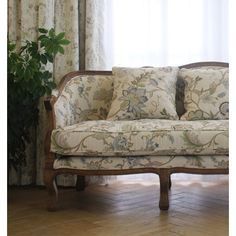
{"points": [[97, 126]]}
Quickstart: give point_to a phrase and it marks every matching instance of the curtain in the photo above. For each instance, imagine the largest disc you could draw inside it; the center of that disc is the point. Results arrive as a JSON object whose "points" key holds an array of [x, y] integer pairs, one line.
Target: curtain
{"points": [[24, 18], [155, 32], [97, 19]]}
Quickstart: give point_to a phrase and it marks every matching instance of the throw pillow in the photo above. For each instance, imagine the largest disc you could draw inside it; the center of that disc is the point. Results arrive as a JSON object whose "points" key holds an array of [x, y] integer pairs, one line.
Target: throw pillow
{"points": [[206, 94], [141, 93]]}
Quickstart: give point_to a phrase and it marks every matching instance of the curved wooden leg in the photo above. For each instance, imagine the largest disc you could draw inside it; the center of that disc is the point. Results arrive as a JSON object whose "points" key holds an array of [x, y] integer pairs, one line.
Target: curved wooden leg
{"points": [[50, 183], [170, 184], [80, 183], [164, 176]]}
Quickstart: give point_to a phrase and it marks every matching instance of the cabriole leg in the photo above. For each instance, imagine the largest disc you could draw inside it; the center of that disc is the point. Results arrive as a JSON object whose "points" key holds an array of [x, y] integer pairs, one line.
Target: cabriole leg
{"points": [[170, 184], [50, 183], [80, 183], [164, 176]]}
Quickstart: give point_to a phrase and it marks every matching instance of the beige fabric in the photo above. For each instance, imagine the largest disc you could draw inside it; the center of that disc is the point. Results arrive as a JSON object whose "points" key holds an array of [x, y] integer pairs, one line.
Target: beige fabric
{"points": [[206, 93], [142, 137], [141, 93], [94, 35], [85, 97], [124, 163]]}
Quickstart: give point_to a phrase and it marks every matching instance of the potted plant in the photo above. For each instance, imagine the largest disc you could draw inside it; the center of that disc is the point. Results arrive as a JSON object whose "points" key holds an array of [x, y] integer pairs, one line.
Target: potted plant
{"points": [[29, 79]]}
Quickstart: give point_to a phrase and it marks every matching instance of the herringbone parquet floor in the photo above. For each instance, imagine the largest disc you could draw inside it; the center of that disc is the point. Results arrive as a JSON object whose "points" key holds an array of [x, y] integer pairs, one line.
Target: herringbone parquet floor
{"points": [[197, 207]]}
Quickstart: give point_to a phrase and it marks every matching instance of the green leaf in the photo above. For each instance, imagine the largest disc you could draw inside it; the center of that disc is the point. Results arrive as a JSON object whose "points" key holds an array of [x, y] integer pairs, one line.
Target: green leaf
{"points": [[11, 46], [60, 36], [52, 33], [42, 37], [61, 49], [51, 85], [64, 42], [43, 59], [45, 40], [49, 49], [43, 31], [49, 57], [46, 75], [48, 91], [54, 49], [27, 73]]}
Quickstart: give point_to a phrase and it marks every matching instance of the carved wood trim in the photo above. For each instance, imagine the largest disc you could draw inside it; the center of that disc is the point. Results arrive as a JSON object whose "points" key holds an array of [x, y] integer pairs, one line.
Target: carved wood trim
{"points": [[164, 176], [206, 63], [50, 183], [49, 156], [140, 170]]}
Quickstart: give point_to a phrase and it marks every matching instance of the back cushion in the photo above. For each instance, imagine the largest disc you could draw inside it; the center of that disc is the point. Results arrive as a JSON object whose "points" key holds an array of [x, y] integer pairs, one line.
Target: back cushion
{"points": [[85, 97], [180, 88], [144, 93], [205, 93]]}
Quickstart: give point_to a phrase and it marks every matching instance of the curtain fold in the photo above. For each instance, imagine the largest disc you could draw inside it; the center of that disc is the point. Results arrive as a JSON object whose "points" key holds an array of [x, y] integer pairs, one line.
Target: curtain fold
{"points": [[94, 35], [24, 18], [98, 33], [154, 32], [167, 32]]}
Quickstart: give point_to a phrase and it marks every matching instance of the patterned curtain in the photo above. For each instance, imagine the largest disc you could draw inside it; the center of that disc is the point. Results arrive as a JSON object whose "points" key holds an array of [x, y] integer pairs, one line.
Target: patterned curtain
{"points": [[24, 18], [94, 45]]}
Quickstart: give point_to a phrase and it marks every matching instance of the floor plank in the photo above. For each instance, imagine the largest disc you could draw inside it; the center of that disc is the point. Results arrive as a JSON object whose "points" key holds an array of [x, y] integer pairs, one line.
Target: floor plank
{"points": [[129, 207]]}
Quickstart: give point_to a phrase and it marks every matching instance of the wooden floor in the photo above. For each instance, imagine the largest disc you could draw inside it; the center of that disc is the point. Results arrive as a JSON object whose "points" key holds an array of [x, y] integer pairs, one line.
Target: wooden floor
{"points": [[198, 206]]}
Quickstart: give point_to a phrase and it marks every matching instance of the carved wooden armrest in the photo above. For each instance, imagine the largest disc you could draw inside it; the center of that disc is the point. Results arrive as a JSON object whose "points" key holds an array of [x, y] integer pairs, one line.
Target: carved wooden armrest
{"points": [[49, 106]]}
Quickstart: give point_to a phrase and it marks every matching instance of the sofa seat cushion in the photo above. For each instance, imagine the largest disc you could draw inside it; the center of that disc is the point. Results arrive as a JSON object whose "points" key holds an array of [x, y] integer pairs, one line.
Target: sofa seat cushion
{"points": [[142, 137]]}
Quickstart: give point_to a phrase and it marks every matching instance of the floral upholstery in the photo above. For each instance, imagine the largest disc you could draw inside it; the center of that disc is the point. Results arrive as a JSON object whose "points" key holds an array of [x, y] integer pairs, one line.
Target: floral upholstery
{"points": [[143, 93], [85, 97], [142, 137], [87, 141], [78, 102], [124, 163], [206, 93]]}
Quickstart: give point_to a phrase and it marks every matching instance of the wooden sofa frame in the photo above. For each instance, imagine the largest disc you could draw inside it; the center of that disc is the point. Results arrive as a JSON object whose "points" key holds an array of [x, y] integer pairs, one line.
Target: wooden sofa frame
{"points": [[164, 173]]}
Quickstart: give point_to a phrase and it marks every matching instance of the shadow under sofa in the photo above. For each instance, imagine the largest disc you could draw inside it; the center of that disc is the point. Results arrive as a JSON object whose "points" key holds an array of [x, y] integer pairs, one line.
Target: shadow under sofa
{"points": [[68, 119]]}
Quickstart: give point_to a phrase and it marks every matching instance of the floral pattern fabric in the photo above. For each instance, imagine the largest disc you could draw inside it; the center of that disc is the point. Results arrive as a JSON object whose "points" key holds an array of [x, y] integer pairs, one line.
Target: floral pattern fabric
{"points": [[142, 137], [206, 93], [126, 163], [94, 42], [84, 97], [143, 93]]}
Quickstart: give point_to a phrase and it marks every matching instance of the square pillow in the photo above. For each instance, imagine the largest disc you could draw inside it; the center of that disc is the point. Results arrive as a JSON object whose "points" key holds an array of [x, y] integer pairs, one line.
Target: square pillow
{"points": [[144, 93], [206, 94]]}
